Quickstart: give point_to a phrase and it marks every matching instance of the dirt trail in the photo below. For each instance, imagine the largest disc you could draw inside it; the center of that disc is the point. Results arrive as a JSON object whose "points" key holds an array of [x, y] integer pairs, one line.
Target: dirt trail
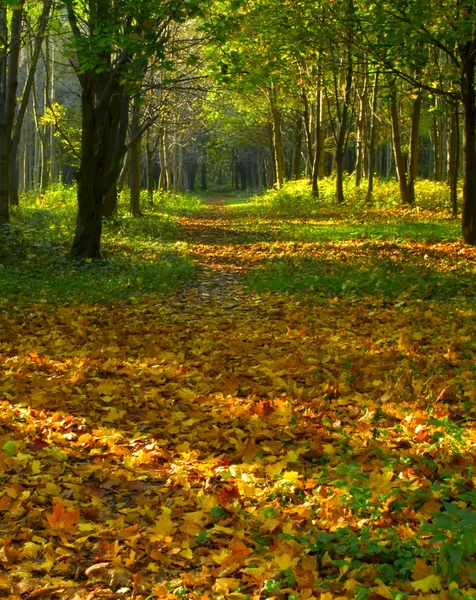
{"points": [[217, 252]]}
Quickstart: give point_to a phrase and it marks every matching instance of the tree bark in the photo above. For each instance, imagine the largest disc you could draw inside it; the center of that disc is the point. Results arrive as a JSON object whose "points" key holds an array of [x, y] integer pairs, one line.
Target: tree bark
{"points": [[341, 137], [87, 239], [372, 138], [4, 204], [360, 145], [278, 146], [296, 161], [453, 158], [397, 148], [469, 149], [319, 144], [414, 146], [135, 159]]}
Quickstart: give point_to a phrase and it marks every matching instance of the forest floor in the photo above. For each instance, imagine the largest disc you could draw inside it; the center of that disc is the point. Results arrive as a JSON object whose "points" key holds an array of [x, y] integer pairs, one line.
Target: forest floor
{"points": [[268, 430]]}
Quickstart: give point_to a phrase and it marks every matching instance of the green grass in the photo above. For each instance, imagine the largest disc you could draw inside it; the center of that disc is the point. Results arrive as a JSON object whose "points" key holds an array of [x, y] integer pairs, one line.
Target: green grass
{"points": [[140, 256], [382, 278]]}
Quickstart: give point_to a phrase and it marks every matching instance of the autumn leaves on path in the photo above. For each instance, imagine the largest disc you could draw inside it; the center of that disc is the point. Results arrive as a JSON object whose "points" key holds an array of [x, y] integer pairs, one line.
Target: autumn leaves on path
{"points": [[223, 444]]}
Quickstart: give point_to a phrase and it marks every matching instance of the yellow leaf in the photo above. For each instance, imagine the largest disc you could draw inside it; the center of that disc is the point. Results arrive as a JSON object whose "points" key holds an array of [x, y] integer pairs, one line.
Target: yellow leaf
{"points": [[382, 589], [221, 556], [35, 467], [223, 585], [163, 527], [284, 561], [291, 476], [380, 481], [431, 583], [187, 553]]}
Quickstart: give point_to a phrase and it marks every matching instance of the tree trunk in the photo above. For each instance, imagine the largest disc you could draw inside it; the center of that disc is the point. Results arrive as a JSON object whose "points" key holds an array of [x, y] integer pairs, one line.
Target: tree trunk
{"points": [[414, 146], [372, 138], [4, 204], [278, 147], [341, 137], [453, 159], [87, 239], [296, 160], [203, 175], [469, 149], [150, 164], [134, 158], [360, 145], [397, 148], [319, 144], [437, 145], [307, 129]]}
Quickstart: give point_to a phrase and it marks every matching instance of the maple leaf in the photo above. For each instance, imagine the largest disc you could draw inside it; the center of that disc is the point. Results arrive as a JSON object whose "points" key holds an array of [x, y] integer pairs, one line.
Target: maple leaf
{"points": [[163, 528], [62, 520], [432, 583]]}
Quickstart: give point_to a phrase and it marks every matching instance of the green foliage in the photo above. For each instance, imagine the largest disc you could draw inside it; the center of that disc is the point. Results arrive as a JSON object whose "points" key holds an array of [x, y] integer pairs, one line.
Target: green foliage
{"points": [[453, 535], [140, 254]]}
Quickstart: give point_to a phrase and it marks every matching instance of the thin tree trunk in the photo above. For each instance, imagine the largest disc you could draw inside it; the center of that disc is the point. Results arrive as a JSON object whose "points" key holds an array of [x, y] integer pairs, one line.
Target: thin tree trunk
{"points": [[277, 139], [414, 146], [134, 158], [372, 138], [319, 143], [397, 148], [150, 163], [453, 158], [296, 161], [360, 146], [341, 137]]}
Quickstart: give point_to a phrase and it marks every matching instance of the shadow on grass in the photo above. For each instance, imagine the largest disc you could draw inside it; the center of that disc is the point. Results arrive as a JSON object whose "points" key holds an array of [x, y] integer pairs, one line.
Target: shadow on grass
{"points": [[35, 267]]}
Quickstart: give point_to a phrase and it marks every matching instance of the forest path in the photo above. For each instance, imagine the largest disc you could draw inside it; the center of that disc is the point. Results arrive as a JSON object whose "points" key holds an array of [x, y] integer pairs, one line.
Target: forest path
{"points": [[220, 252]]}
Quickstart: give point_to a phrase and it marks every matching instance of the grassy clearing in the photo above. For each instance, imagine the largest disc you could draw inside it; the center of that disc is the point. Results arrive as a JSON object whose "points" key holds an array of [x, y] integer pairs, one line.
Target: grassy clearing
{"points": [[141, 256]]}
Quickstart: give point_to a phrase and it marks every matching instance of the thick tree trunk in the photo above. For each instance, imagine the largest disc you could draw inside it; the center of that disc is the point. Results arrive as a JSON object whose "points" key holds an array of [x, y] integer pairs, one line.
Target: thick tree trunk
{"points": [[414, 146], [87, 239], [4, 204], [469, 151], [397, 148]]}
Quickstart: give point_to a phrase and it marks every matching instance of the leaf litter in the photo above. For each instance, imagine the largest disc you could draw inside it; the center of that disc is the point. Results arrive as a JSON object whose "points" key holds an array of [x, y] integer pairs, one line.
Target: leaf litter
{"points": [[225, 444]]}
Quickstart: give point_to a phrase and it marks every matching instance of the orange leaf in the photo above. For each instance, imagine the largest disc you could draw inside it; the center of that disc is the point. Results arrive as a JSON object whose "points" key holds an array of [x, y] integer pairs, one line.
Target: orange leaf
{"points": [[62, 520]]}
